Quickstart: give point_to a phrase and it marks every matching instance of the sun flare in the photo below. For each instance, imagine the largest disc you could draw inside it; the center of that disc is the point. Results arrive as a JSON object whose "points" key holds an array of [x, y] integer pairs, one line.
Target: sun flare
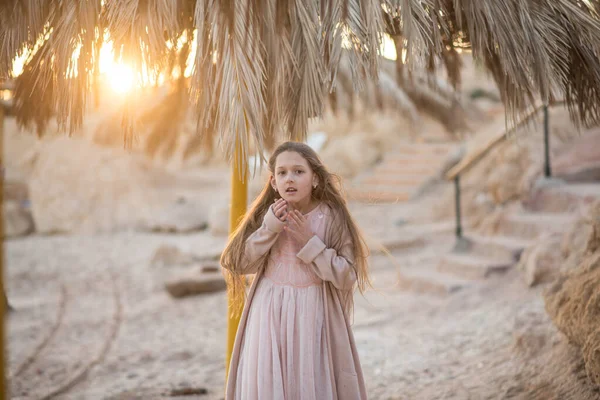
{"points": [[120, 77]]}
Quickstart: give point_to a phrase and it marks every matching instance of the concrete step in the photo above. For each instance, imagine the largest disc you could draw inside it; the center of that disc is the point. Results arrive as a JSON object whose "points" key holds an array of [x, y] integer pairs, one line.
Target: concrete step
{"points": [[379, 193], [532, 225], [443, 226], [400, 174], [393, 189], [392, 179], [583, 190], [366, 197], [428, 280], [499, 247], [412, 160], [423, 157], [394, 242], [560, 197], [469, 266], [425, 148], [407, 169]]}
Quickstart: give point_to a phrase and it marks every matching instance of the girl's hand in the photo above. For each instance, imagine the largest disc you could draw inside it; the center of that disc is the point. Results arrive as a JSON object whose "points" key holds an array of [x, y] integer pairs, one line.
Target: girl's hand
{"points": [[280, 209], [299, 227]]}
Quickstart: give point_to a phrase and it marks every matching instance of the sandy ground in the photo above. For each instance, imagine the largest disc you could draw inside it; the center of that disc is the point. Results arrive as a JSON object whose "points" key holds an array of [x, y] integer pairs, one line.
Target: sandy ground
{"points": [[93, 321]]}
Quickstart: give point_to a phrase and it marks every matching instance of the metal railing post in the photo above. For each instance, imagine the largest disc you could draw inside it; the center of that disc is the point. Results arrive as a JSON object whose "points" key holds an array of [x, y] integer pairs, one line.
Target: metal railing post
{"points": [[457, 204], [547, 169]]}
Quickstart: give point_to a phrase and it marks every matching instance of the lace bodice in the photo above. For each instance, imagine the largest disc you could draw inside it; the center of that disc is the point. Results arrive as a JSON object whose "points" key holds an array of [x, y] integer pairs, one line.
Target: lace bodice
{"points": [[284, 268]]}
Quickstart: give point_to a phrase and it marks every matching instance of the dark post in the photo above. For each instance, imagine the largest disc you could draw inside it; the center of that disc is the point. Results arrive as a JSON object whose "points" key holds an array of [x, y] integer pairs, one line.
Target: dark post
{"points": [[457, 203], [547, 170]]}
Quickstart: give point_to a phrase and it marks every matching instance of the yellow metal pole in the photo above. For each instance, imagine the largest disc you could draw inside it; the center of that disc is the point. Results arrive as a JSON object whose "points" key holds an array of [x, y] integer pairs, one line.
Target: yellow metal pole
{"points": [[239, 199], [3, 391]]}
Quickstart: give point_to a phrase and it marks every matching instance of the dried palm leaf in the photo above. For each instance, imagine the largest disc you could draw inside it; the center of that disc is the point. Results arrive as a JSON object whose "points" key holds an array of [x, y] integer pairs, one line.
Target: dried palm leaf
{"points": [[385, 93], [262, 68], [544, 49], [34, 95], [22, 23], [140, 30], [59, 76]]}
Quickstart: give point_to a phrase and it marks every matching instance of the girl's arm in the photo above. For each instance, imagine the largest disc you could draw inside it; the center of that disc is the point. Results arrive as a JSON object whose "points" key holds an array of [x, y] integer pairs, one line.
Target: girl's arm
{"points": [[328, 264], [261, 240]]}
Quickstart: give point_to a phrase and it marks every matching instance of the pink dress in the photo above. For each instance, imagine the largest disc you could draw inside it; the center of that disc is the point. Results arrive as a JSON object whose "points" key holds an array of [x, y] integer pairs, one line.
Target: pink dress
{"points": [[284, 352]]}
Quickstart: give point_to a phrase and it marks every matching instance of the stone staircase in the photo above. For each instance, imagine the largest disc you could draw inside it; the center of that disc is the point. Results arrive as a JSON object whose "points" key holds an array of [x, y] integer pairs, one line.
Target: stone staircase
{"points": [[550, 208], [401, 173]]}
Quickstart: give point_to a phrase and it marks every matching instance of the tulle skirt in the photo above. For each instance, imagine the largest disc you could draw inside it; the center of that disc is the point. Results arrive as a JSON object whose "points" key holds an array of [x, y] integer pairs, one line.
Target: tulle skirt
{"points": [[284, 354]]}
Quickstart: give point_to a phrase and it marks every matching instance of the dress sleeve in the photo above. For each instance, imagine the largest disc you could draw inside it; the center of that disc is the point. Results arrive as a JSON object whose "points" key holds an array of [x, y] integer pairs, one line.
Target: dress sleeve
{"points": [[328, 264], [261, 240]]}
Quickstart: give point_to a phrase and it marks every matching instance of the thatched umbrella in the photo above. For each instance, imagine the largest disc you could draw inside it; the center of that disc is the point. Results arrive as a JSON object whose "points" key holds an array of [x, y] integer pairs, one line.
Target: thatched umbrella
{"points": [[275, 57], [414, 94], [261, 65], [166, 118], [542, 49]]}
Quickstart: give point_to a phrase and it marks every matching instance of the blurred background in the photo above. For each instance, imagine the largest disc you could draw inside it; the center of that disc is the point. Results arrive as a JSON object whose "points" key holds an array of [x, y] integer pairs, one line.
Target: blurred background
{"points": [[483, 231]]}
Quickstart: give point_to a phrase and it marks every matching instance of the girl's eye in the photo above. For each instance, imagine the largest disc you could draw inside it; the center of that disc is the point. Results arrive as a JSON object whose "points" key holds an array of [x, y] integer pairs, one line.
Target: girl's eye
{"points": [[300, 171], [280, 173]]}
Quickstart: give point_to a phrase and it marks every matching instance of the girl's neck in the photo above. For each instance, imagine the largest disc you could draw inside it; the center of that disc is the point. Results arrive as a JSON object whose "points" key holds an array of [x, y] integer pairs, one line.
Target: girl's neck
{"points": [[306, 207]]}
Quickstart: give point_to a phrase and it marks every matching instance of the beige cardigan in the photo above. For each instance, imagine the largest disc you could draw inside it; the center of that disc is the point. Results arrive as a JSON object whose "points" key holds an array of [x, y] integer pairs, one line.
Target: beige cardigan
{"points": [[338, 276]]}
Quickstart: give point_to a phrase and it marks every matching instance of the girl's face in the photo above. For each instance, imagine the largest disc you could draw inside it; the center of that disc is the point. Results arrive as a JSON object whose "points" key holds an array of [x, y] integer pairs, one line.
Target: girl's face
{"points": [[293, 178]]}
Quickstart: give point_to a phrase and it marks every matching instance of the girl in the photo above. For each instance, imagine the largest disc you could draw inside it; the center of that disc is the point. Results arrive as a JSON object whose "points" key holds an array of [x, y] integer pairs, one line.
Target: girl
{"points": [[294, 339]]}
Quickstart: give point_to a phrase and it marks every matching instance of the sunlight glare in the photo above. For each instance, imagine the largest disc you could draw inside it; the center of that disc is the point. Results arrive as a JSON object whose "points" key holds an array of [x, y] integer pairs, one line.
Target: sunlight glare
{"points": [[19, 63], [121, 78], [21, 59], [388, 48]]}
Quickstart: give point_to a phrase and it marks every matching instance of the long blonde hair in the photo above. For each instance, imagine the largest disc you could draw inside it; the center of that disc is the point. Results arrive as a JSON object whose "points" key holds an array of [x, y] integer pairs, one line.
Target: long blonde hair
{"points": [[328, 192]]}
